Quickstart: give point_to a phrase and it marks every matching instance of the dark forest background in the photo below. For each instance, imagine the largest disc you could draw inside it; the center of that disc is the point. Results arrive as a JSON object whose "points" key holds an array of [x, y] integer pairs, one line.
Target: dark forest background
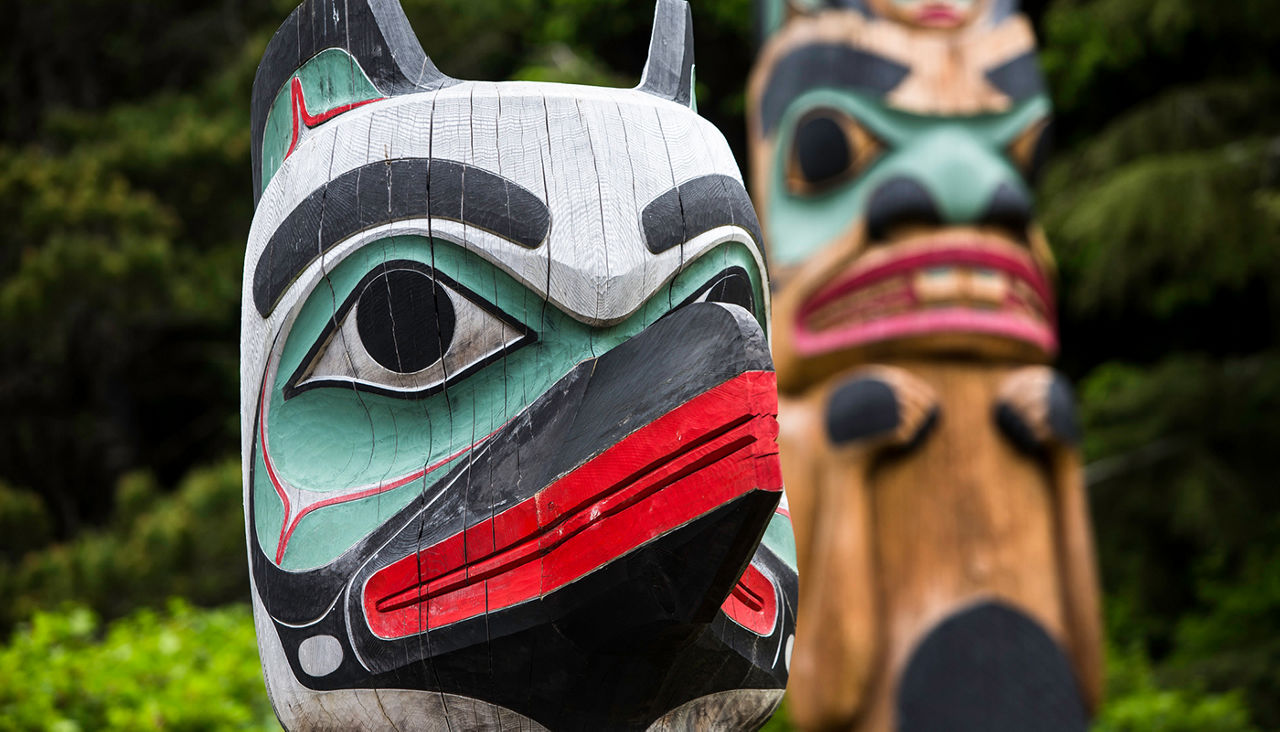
{"points": [[124, 206]]}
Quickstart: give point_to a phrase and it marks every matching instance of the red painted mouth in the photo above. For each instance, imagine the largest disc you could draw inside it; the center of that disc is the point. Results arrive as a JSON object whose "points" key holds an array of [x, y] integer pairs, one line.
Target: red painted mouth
{"points": [[939, 15], [943, 286], [714, 448]]}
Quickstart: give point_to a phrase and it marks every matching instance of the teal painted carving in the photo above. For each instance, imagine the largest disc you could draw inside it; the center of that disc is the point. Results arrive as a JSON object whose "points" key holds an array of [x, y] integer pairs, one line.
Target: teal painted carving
{"points": [[929, 452], [509, 409]]}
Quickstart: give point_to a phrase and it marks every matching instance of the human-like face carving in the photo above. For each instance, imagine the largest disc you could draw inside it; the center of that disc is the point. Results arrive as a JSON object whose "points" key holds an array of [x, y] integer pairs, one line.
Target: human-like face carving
{"points": [[505, 371], [949, 578], [896, 228]]}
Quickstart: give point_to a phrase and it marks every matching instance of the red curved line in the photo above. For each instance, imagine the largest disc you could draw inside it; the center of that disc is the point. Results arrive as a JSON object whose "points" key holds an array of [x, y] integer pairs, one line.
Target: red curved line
{"points": [[298, 102], [291, 522], [271, 470], [286, 535]]}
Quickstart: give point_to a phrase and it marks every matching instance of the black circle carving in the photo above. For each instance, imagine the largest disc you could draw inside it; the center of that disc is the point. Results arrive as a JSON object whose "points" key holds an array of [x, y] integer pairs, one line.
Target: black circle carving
{"points": [[989, 668], [822, 149], [406, 320]]}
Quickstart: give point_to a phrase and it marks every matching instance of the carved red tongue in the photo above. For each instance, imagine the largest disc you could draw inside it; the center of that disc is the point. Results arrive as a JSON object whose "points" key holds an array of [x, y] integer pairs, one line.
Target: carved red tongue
{"points": [[692, 460]]}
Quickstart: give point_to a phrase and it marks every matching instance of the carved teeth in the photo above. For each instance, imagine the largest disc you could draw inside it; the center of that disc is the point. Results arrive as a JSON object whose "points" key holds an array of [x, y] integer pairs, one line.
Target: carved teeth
{"points": [[960, 285], [988, 286], [937, 285]]}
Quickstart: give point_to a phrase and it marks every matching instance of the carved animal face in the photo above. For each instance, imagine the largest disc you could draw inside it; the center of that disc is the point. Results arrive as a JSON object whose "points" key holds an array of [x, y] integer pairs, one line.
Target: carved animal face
{"points": [[509, 406], [892, 170]]}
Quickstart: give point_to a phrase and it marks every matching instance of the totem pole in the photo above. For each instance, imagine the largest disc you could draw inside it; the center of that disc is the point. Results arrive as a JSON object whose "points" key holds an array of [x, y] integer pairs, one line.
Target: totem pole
{"points": [[929, 452], [509, 438]]}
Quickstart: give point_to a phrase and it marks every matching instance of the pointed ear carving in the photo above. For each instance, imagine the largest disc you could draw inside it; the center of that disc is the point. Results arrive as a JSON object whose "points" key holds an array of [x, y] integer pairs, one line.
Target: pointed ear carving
{"points": [[668, 72], [375, 33]]}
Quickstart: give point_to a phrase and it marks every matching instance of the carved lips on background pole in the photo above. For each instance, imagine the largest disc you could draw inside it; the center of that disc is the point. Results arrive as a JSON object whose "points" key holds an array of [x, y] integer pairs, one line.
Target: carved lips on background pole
{"points": [[509, 407], [929, 453]]}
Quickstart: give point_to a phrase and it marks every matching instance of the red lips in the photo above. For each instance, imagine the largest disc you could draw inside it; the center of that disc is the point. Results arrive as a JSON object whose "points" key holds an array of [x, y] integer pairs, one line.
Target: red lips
{"points": [[949, 285], [714, 448]]}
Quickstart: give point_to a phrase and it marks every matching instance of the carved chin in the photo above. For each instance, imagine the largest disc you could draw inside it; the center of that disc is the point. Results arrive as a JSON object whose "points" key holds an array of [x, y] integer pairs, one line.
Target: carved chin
{"points": [[954, 292]]}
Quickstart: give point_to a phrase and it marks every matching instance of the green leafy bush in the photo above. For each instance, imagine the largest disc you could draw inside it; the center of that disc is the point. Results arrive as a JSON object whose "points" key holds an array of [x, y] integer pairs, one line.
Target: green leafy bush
{"points": [[183, 669], [1137, 703], [189, 543]]}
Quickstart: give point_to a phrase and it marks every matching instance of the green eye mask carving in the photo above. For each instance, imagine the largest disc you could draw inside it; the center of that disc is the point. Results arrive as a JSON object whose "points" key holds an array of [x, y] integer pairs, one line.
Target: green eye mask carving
{"points": [[959, 160], [363, 450]]}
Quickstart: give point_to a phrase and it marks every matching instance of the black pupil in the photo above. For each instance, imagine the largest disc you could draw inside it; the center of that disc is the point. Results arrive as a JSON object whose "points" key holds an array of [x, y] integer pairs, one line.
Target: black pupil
{"points": [[822, 150], [406, 321]]}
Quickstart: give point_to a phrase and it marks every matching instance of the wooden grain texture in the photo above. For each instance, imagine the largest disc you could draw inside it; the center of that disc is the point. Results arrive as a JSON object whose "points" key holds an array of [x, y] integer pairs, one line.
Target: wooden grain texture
{"points": [[931, 455], [508, 407]]}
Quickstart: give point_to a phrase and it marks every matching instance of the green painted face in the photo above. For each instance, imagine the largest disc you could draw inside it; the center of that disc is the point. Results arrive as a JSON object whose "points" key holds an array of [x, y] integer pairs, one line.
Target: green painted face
{"points": [[354, 457], [959, 161]]}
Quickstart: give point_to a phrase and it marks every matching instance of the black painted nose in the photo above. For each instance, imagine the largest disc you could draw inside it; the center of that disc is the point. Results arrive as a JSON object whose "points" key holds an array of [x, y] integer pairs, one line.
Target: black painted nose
{"points": [[1010, 209], [902, 201]]}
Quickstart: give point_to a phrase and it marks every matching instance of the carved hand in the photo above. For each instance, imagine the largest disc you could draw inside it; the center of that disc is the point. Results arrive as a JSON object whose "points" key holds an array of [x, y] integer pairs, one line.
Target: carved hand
{"points": [[881, 407]]}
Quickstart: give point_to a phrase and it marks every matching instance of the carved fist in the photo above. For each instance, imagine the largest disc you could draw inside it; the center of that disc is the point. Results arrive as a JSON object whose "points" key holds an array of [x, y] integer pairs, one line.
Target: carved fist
{"points": [[881, 407], [1036, 410]]}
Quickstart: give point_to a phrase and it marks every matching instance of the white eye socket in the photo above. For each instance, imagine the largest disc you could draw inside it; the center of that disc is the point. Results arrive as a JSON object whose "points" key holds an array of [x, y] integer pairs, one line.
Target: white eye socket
{"points": [[408, 330]]}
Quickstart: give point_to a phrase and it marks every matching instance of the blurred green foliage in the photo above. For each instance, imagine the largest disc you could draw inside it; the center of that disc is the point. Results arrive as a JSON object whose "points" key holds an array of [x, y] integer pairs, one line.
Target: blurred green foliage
{"points": [[183, 669], [188, 543], [124, 187]]}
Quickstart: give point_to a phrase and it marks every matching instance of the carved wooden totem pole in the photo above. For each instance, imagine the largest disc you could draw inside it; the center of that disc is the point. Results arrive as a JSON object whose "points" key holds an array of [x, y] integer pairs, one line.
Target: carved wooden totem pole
{"points": [[509, 408], [929, 452]]}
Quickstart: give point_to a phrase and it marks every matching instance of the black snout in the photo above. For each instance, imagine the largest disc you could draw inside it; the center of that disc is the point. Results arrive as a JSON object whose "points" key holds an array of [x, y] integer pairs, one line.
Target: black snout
{"points": [[1011, 210], [900, 202]]}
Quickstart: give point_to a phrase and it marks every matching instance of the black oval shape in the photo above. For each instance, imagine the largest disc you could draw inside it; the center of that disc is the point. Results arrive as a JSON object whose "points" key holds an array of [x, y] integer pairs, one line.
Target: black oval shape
{"points": [[822, 149], [406, 321]]}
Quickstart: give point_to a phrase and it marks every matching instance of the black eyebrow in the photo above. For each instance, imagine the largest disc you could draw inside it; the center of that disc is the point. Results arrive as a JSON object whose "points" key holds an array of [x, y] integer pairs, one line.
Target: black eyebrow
{"points": [[826, 65], [1019, 78], [387, 191], [696, 207]]}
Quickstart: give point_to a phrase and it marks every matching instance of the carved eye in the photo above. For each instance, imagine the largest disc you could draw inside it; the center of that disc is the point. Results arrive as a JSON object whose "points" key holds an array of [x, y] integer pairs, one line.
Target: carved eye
{"points": [[829, 147], [1030, 149], [408, 330], [732, 286]]}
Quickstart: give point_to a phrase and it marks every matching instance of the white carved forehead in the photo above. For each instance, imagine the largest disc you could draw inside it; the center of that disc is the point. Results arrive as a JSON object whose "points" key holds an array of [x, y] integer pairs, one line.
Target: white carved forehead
{"points": [[596, 158]]}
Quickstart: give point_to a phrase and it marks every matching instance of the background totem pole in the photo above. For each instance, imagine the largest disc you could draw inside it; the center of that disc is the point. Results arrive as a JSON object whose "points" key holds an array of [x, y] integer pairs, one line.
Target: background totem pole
{"points": [[508, 404], [930, 457]]}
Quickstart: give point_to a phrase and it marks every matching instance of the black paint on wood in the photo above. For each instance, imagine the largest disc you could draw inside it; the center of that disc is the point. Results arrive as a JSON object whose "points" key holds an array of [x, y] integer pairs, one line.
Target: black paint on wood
{"points": [[900, 201], [822, 150], [405, 322], [825, 65], [298, 382], [696, 207], [590, 409], [384, 192], [1019, 78], [375, 32], [989, 668], [732, 287], [599, 640]]}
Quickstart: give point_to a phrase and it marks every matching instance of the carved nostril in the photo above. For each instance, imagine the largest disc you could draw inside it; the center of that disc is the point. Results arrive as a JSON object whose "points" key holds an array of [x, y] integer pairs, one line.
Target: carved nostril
{"points": [[1010, 209], [898, 202]]}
